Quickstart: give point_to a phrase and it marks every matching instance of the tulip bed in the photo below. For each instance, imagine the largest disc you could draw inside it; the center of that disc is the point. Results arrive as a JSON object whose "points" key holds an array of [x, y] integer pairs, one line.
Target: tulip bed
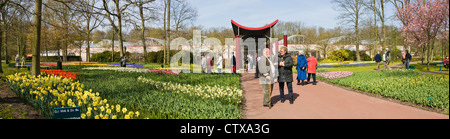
{"points": [[168, 96], [335, 75], [61, 73], [405, 85]]}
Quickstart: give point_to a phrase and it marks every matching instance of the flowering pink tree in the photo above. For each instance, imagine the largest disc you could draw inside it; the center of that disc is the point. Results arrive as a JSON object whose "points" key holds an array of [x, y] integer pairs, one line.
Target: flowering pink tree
{"points": [[424, 22]]}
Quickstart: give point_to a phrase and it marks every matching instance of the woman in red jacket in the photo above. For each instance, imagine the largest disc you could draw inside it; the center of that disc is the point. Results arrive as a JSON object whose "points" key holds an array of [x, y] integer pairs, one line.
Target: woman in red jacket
{"points": [[312, 66]]}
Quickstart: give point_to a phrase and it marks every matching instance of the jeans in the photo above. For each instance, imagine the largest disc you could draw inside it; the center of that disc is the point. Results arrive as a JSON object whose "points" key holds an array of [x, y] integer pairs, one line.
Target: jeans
{"points": [[290, 93], [407, 64], [219, 71]]}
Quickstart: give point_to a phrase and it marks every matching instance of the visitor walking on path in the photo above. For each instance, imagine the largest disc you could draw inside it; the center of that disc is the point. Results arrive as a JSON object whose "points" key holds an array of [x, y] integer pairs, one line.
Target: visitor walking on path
{"points": [[312, 66], [446, 62], [386, 59], [407, 59], [17, 59], [233, 62], [285, 64], [219, 64], [267, 73], [203, 65], [378, 60], [301, 68], [257, 58]]}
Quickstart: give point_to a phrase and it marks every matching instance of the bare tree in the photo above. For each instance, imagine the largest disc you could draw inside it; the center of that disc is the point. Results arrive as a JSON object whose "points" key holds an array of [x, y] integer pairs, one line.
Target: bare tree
{"points": [[110, 14], [36, 67], [350, 14], [93, 21], [141, 4], [182, 13]]}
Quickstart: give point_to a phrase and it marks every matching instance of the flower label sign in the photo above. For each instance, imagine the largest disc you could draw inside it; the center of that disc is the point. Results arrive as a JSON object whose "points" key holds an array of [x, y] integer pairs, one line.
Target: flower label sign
{"points": [[67, 113]]}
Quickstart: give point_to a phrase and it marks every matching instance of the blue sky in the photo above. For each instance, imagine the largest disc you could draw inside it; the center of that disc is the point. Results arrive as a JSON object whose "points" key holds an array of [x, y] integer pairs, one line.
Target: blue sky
{"points": [[257, 13]]}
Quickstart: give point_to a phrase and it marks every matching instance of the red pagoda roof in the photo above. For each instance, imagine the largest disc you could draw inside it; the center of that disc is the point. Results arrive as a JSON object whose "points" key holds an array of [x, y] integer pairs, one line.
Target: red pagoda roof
{"points": [[250, 28]]}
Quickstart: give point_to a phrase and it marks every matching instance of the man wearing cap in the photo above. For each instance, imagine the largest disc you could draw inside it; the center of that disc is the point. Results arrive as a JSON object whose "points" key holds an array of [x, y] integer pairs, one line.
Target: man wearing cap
{"points": [[386, 59]]}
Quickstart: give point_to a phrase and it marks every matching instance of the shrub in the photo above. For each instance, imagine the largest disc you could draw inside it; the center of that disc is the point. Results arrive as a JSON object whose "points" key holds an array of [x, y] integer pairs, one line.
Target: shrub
{"points": [[347, 55], [158, 57], [106, 56]]}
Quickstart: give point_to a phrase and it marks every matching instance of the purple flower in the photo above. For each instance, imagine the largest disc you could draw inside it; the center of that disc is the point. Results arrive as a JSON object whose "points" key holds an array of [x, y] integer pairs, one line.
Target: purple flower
{"points": [[335, 75]]}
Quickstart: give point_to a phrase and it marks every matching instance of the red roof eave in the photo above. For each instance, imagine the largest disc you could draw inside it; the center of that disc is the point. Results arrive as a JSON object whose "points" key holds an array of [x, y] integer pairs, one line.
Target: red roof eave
{"points": [[250, 28]]}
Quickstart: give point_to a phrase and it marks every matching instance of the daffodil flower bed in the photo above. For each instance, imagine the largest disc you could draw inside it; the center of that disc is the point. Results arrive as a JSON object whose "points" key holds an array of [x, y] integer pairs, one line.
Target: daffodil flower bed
{"points": [[223, 94], [46, 92], [405, 85]]}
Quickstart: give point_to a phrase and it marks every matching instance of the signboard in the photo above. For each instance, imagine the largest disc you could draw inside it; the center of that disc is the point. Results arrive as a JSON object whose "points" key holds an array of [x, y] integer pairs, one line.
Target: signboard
{"points": [[67, 113]]}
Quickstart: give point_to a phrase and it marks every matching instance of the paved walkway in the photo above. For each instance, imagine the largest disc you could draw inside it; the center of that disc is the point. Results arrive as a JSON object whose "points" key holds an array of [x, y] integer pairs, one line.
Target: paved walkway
{"points": [[324, 101]]}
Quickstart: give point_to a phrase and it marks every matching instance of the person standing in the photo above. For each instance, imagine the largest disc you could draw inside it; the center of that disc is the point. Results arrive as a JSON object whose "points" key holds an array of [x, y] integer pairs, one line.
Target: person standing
{"points": [[124, 61], [403, 57], [446, 62], [285, 64], [203, 64], [312, 66], [301, 68], [256, 63], [407, 59], [250, 62], [219, 64], [267, 74], [388, 56], [121, 61], [386, 59], [17, 59], [22, 60], [209, 64], [233, 62], [378, 60]]}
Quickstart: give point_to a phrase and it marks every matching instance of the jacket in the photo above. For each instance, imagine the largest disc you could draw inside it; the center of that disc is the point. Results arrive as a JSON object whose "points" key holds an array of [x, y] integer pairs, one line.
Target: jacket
{"points": [[266, 68], [312, 64], [301, 62], [378, 58], [285, 72]]}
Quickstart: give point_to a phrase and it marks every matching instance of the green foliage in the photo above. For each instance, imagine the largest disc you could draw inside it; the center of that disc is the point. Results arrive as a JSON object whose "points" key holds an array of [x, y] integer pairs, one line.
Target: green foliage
{"points": [[158, 57], [106, 56], [347, 55], [341, 55]]}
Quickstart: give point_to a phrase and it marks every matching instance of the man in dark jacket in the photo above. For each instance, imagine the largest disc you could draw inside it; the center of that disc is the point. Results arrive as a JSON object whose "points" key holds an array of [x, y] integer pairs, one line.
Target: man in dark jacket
{"points": [[285, 64], [378, 59], [407, 59], [233, 62]]}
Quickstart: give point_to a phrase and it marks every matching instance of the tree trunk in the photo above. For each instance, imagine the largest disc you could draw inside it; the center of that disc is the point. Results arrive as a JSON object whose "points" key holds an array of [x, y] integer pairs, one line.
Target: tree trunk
{"points": [[141, 13], [36, 67], [112, 46], [168, 33], [358, 58], [88, 39], [88, 48], [383, 28], [120, 37], [1, 42], [375, 25], [165, 31]]}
